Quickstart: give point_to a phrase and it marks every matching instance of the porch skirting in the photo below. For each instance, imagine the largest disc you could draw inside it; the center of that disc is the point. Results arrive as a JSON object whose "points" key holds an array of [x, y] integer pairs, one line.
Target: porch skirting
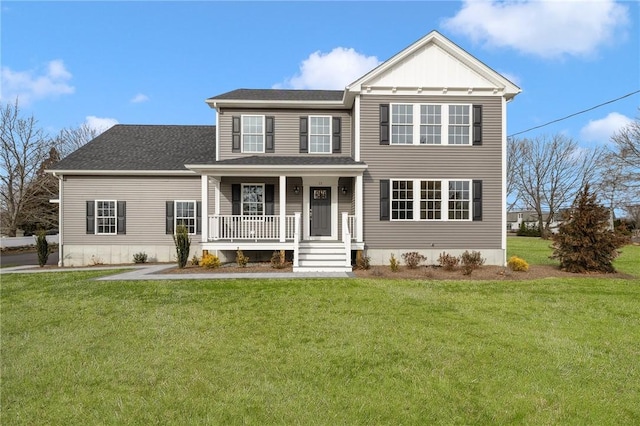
{"points": [[113, 254]]}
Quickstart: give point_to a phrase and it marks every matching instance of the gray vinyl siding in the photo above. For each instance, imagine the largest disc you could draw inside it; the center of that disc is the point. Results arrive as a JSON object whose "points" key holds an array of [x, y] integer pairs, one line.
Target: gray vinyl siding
{"points": [[287, 131], [145, 198], [433, 162]]}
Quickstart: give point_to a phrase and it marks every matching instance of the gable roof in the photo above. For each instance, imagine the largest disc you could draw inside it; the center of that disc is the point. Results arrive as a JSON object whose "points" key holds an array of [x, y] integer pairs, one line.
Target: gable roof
{"points": [[280, 95], [143, 148], [455, 68]]}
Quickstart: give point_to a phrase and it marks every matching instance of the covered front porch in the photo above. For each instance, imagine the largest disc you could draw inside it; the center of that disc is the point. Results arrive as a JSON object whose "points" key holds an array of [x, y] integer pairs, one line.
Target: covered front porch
{"points": [[312, 210]]}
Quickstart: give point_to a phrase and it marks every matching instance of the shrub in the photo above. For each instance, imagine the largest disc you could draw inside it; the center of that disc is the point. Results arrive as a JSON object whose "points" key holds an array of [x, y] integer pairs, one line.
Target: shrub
{"points": [[471, 261], [210, 261], [394, 263], [241, 259], [195, 260], [517, 264], [447, 261], [183, 245], [584, 242], [43, 247], [363, 262], [140, 257], [526, 231], [278, 259], [413, 259]]}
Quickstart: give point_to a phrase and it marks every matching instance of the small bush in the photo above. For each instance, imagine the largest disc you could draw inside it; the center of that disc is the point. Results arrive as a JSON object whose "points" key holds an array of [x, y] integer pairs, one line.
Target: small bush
{"points": [[527, 231], [210, 261], [195, 260], [43, 247], [517, 264], [278, 259], [394, 263], [241, 259], [183, 245], [413, 259], [363, 262], [95, 261], [447, 261], [471, 261], [140, 257]]}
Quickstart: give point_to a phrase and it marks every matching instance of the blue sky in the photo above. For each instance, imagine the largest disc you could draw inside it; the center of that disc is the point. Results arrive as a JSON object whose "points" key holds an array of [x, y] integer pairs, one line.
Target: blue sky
{"points": [[141, 62]]}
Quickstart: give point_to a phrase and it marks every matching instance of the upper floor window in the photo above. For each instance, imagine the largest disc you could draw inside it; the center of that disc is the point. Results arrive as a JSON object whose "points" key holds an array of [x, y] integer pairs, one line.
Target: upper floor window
{"points": [[402, 124], [186, 215], [106, 217], [430, 124], [253, 200], [459, 124], [253, 133], [319, 135]]}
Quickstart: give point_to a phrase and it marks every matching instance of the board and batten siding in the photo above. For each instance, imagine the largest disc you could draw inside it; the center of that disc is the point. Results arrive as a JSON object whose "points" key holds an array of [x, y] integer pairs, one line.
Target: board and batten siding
{"points": [[286, 131], [145, 198], [433, 162]]}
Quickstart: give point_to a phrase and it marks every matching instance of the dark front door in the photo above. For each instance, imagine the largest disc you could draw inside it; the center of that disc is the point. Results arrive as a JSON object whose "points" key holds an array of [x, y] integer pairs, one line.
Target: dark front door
{"points": [[320, 215]]}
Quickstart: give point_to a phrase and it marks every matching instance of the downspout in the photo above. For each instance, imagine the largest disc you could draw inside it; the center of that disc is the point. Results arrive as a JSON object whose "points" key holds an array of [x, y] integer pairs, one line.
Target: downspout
{"points": [[60, 220]]}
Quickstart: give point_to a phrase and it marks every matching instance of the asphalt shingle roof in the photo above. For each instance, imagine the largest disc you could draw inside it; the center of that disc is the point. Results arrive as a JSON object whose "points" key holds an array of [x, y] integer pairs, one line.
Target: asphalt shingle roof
{"points": [[305, 160], [144, 147], [280, 95]]}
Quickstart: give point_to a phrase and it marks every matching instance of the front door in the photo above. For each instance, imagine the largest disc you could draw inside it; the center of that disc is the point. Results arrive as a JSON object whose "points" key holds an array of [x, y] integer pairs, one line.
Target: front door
{"points": [[320, 212]]}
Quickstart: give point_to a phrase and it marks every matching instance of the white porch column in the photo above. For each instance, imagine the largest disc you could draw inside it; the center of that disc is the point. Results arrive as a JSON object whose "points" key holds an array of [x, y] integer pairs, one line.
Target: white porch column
{"points": [[204, 214], [216, 206], [359, 208], [282, 199]]}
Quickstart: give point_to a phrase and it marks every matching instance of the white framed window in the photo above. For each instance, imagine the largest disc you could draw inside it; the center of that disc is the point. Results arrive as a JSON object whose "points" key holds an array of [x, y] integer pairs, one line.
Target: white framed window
{"points": [[402, 199], [402, 124], [436, 124], [106, 217], [459, 198], [185, 215], [459, 124], [253, 199], [430, 200], [319, 135], [253, 133], [430, 124]]}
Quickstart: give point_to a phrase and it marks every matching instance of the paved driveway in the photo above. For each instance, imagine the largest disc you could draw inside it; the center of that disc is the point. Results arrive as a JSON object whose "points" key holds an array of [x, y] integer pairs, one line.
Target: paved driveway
{"points": [[26, 258]]}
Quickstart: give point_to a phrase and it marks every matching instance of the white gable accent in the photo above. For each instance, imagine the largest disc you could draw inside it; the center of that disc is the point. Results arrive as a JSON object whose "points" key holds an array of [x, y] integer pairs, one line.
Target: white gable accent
{"points": [[434, 63]]}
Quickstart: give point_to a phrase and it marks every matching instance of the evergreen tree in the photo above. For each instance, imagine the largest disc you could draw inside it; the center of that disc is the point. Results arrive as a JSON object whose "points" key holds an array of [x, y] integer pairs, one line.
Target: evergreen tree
{"points": [[585, 242]]}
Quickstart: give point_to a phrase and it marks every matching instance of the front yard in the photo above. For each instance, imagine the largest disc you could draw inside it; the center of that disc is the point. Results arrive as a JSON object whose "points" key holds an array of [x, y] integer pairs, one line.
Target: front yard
{"points": [[320, 351]]}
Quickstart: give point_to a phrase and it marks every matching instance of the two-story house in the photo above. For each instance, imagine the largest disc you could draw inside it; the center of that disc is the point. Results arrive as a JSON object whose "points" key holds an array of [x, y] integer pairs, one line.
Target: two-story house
{"points": [[410, 157]]}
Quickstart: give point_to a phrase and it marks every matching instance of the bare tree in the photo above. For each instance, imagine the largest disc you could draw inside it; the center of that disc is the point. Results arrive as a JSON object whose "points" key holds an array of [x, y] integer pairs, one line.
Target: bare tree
{"points": [[625, 154], [70, 139], [547, 174], [24, 148]]}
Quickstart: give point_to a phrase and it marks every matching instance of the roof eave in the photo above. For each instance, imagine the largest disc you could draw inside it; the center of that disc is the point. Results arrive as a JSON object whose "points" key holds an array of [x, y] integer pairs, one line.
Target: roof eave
{"points": [[278, 170], [76, 172], [252, 103]]}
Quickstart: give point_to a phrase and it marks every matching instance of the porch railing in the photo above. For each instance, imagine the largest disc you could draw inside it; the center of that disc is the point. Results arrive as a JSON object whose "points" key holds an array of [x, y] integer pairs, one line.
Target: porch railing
{"points": [[351, 226], [234, 227]]}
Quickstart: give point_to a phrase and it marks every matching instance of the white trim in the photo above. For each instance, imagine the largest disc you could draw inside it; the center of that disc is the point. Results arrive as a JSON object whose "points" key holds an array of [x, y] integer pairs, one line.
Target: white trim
{"points": [[282, 202], [359, 208], [204, 213], [242, 134], [264, 201], [247, 103], [195, 215], [356, 125], [60, 220], [328, 170], [122, 172], [217, 119], [95, 217], [503, 210], [330, 134]]}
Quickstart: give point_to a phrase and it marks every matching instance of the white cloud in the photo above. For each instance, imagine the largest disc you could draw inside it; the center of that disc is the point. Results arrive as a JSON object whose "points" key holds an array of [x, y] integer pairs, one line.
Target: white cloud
{"points": [[100, 124], [333, 70], [602, 130], [542, 28], [512, 78], [30, 86], [139, 98]]}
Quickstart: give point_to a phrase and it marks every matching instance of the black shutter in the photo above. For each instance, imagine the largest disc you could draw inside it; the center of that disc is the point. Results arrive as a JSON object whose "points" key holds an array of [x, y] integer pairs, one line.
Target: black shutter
{"points": [[269, 135], [477, 124], [269, 205], [384, 199], [236, 201], [384, 124], [169, 217], [337, 135], [477, 200], [304, 134], [91, 217], [198, 217], [235, 133], [122, 217]]}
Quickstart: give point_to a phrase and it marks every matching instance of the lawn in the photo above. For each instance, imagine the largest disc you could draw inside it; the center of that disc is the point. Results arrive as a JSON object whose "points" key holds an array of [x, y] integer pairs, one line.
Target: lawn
{"points": [[319, 351]]}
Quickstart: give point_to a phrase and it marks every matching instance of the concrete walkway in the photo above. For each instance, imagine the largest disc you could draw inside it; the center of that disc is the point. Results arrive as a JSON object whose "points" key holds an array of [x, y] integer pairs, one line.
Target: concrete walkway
{"points": [[153, 272]]}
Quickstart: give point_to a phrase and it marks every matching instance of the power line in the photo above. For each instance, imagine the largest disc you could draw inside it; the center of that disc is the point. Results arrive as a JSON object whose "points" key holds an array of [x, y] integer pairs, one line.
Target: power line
{"points": [[575, 113]]}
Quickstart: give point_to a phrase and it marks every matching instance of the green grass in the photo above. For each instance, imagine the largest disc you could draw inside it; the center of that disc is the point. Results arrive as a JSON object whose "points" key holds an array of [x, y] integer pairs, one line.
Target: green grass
{"points": [[318, 351]]}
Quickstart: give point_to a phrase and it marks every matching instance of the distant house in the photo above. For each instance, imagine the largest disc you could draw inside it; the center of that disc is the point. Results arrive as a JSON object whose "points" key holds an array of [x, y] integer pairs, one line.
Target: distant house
{"points": [[530, 219], [409, 157]]}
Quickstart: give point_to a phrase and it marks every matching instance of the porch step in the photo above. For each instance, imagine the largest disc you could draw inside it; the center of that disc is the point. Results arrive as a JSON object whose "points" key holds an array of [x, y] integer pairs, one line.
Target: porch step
{"points": [[322, 256]]}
